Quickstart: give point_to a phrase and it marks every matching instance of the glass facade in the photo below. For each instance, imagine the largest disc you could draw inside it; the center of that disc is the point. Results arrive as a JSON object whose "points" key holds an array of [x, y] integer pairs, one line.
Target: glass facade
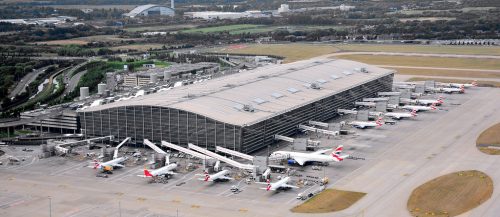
{"points": [[182, 127]]}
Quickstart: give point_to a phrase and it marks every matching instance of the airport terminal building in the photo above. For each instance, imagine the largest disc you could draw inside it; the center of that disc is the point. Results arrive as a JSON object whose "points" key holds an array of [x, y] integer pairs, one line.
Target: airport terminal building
{"points": [[243, 111]]}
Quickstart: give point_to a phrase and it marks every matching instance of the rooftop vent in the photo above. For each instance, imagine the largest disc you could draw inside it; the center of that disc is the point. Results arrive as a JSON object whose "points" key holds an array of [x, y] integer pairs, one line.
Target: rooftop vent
{"points": [[292, 90], [277, 95], [315, 86], [259, 100], [347, 73], [248, 108], [334, 77], [238, 107], [321, 81]]}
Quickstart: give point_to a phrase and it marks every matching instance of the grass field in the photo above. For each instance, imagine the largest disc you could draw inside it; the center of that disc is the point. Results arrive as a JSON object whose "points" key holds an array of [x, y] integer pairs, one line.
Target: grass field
{"points": [[330, 200], [480, 83], [451, 194], [435, 49], [251, 28], [228, 28], [440, 62], [489, 138], [291, 52], [447, 73]]}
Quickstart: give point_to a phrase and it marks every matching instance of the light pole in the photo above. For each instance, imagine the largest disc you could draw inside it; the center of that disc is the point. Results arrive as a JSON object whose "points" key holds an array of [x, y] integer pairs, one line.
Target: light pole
{"points": [[50, 206], [120, 208]]}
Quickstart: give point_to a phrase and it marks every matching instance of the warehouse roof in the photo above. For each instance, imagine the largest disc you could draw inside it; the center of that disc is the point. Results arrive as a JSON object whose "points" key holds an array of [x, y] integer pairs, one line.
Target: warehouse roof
{"points": [[270, 90]]}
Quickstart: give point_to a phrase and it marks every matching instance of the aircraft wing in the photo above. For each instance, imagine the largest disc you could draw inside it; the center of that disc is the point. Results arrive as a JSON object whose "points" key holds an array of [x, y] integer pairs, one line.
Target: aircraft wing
{"points": [[167, 172], [225, 177], [322, 151], [288, 186], [117, 165], [300, 161]]}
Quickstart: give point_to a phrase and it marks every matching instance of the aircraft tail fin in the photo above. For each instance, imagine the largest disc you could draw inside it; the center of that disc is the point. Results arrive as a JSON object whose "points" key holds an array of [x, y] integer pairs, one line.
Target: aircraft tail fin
{"points": [[379, 122], [147, 173]]}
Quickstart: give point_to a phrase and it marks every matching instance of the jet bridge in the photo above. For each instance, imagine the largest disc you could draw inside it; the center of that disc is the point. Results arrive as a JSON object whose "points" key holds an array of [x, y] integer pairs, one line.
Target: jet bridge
{"points": [[154, 147], [185, 150], [347, 111], [75, 143], [316, 130], [389, 93], [222, 158], [115, 155], [234, 153], [292, 140], [383, 99], [317, 123]]}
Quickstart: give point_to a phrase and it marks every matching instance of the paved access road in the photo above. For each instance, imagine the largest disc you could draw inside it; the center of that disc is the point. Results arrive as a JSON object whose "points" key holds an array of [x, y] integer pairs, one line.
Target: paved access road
{"points": [[27, 79]]}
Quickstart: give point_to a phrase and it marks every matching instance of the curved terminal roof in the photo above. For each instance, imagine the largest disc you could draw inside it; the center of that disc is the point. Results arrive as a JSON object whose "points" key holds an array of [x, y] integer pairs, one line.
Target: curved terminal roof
{"points": [[139, 9], [270, 90]]}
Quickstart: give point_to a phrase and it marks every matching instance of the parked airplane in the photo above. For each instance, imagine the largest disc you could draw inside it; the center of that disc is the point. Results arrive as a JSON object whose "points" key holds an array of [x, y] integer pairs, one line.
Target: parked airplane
{"points": [[401, 115], [281, 184], [458, 85], [418, 108], [450, 90], [367, 124], [428, 102], [318, 156], [163, 171], [109, 165], [220, 176]]}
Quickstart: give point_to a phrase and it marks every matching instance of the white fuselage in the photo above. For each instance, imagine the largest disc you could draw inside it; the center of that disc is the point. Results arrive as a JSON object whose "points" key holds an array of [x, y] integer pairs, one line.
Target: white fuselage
{"points": [[452, 90], [417, 108], [164, 170], [220, 175], [364, 124], [109, 165], [399, 115], [279, 184], [428, 101], [302, 158]]}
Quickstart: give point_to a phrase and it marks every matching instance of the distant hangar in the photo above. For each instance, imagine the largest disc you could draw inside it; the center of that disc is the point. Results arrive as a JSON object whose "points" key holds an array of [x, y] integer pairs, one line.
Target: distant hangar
{"points": [[151, 10], [243, 111]]}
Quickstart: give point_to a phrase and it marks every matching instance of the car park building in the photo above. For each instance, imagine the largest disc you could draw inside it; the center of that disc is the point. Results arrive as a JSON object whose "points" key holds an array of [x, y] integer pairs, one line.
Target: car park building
{"points": [[243, 111]]}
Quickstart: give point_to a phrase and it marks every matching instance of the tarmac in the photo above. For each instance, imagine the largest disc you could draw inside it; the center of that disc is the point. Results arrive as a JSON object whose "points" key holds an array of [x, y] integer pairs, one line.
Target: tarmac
{"points": [[399, 158]]}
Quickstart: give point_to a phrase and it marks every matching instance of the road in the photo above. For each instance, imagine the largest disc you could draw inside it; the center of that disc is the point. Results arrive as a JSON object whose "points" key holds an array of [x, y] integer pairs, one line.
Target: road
{"points": [[27, 79], [73, 81]]}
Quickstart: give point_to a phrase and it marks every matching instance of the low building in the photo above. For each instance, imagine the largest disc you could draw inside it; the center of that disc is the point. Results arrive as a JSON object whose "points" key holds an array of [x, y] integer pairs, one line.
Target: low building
{"points": [[211, 15], [174, 72], [66, 122]]}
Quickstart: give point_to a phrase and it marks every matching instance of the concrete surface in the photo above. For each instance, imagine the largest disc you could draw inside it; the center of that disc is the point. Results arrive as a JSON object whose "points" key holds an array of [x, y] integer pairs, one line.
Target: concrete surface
{"points": [[398, 159]]}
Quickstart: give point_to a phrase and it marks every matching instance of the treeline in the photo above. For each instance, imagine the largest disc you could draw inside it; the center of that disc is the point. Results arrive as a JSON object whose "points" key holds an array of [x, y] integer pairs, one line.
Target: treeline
{"points": [[23, 12], [75, 50], [55, 33], [96, 73]]}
